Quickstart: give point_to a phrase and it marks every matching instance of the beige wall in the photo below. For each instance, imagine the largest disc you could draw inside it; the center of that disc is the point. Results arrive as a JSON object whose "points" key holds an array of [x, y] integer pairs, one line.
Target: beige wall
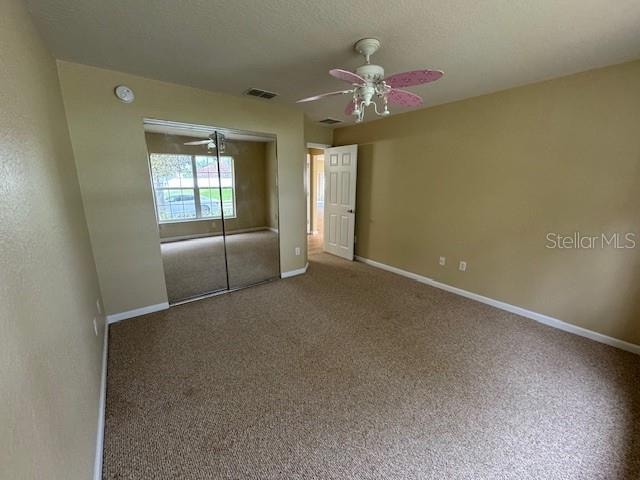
{"points": [[110, 151], [485, 179], [316, 133], [250, 163], [50, 358]]}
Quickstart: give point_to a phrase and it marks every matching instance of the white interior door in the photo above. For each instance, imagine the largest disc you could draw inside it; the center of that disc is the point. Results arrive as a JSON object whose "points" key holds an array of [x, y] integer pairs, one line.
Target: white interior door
{"points": [[340, 167]]}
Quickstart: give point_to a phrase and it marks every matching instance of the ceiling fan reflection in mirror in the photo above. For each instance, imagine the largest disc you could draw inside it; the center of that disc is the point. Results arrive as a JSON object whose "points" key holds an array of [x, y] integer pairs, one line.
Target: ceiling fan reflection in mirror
{"points": [[210, 142], [371, 88]]}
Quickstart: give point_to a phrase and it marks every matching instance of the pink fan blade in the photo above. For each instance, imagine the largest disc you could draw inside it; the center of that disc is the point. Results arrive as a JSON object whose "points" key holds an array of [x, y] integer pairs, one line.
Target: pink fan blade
{"points": [[416, 77], [347, 76], [404, 98], [322, 95], [350, 108]]}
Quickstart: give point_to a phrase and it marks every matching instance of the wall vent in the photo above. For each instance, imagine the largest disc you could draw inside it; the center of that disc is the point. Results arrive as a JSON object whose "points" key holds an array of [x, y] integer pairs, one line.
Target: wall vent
{"points": [[330, 121], [256, 92]]}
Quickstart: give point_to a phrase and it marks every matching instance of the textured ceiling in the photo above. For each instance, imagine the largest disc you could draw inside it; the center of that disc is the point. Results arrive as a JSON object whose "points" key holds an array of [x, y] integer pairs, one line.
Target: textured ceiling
{"points": [[288, 46]]}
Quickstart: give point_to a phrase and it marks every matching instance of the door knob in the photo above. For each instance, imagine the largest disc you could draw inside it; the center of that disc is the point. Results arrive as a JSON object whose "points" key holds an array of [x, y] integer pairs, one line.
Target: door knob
{"points": [[351, 211]]}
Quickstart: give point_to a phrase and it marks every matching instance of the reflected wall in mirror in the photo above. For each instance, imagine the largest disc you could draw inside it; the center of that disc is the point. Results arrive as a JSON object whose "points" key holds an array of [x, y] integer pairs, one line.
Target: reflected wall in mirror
{"points": [[216, 207]]}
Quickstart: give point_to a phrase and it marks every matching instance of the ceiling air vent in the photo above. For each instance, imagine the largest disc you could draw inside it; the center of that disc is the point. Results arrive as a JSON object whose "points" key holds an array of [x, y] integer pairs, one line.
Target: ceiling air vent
{"points": [[256, 92], [329, 121]]}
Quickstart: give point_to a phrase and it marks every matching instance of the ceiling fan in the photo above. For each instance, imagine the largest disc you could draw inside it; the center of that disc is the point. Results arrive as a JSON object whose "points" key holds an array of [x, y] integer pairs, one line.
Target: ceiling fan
{"points": [[210, 142], [370, 85]]}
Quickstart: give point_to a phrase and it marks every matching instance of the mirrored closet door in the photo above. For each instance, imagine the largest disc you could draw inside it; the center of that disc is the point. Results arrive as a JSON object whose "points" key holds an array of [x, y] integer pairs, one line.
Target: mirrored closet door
{"points": [[216, 202], [251, 223]]}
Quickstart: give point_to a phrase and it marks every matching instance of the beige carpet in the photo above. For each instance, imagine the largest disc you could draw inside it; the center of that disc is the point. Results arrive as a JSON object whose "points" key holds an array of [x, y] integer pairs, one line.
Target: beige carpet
{"points": [[349, 372], [196, 267]]}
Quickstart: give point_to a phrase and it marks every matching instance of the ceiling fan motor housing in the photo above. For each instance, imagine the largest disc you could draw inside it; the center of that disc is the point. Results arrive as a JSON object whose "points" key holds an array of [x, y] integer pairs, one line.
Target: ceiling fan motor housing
{"points": [[373, 74], [370, 72]]}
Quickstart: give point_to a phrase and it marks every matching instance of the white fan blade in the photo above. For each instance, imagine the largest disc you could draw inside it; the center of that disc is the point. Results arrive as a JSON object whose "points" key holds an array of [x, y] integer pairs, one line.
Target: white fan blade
{"points": [[198, 142], [322, 95], [347, 76]]}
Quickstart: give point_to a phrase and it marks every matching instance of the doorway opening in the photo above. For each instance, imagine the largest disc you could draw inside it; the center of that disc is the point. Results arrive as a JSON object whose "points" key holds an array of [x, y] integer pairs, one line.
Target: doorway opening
{"points": [[315, 181]]}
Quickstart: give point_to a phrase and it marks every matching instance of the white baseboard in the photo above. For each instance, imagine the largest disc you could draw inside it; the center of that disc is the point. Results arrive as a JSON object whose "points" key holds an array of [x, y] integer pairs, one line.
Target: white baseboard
{"points": [[538, 317], [188, 237], [247, 230], [293, 273], [216, 234], [97, 465], [136, 312]]}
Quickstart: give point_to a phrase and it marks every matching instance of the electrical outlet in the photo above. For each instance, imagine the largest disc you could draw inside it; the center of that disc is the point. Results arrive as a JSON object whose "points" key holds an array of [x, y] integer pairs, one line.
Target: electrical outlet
{"points": [[463, 266], [95, 325], [98, 306], [443, 261], [297, 250]]}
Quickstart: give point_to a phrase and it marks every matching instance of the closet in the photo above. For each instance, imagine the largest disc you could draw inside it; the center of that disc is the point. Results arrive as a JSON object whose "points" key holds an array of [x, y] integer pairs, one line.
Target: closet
{"points": [[216, 206]]}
